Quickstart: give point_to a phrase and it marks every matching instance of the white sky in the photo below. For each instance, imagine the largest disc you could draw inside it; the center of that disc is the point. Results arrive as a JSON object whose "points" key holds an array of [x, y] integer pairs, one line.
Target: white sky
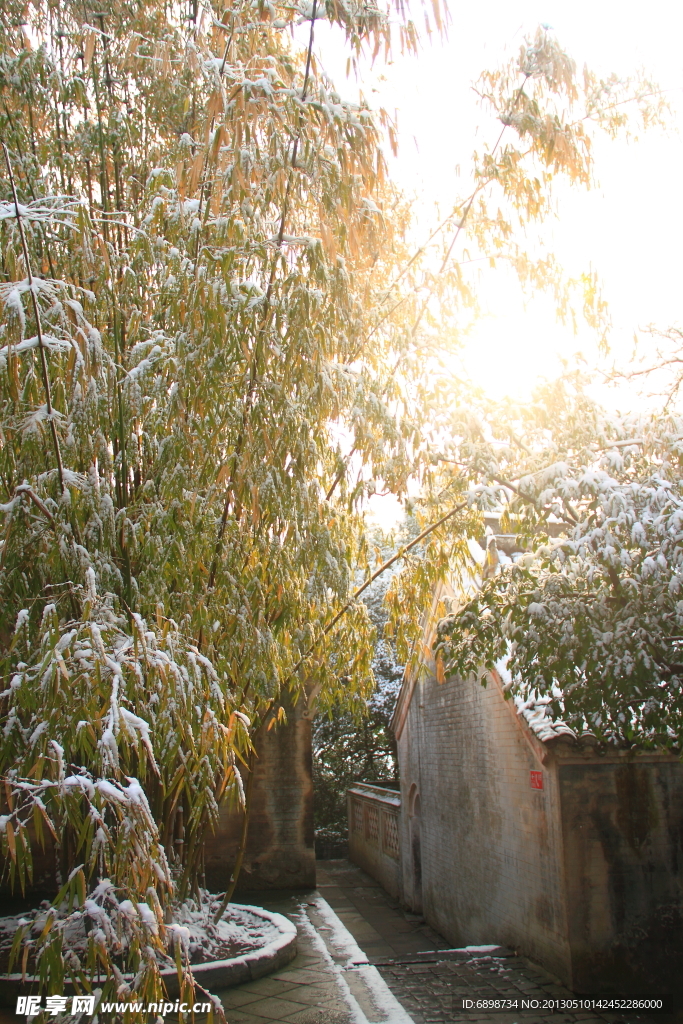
{"points": [[629, 230]]}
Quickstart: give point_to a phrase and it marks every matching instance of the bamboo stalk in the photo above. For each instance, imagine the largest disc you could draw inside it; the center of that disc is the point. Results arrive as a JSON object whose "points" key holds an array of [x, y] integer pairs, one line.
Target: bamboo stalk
{"points": [[237, 867], [39, 329], [29, 185], [371, 579], [253, 370]]}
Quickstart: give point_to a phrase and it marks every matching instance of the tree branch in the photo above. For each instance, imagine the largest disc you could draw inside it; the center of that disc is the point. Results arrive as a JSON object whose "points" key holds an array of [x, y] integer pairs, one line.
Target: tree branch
{"points": [[371, 579]]}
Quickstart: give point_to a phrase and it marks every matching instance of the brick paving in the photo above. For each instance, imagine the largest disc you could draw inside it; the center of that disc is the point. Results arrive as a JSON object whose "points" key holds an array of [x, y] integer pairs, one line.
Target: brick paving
{"points": [[326, 985], [431, 981], [303, 992], [447, 990], [376, 921]]}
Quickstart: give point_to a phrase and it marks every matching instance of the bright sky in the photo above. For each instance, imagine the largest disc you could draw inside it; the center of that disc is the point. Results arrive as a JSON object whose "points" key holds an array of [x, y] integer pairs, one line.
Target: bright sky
{"points": [[629, 230]]}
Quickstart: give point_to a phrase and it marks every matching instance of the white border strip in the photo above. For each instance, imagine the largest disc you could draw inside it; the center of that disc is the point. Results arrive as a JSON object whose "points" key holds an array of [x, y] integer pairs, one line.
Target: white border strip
{"points": [[364, 989]]}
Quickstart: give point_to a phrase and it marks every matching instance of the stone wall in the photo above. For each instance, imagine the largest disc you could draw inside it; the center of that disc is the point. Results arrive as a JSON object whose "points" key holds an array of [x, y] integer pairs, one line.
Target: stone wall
{"points": [[583, 875], [280, 851], [373, 816], [481, 848], [280, 848], [623, 852]]}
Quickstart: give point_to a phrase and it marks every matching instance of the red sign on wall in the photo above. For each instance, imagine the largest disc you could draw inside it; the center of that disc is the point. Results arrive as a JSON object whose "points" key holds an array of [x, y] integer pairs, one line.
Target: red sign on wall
{"points": [[536, 780]]}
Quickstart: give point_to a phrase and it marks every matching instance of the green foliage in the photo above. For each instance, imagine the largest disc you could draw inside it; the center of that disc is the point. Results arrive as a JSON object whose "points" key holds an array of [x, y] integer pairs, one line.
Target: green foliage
{"points": [[213, 344], [592, 617], [350, 747], [189, 271]]}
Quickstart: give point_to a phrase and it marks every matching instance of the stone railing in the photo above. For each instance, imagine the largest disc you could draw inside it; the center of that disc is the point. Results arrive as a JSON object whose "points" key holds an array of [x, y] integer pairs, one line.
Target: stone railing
{"points": [[373, 814]]}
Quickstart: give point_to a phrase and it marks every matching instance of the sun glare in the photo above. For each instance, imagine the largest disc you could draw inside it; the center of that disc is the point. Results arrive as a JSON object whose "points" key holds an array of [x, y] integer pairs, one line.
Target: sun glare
{"points": [[626, 230]]}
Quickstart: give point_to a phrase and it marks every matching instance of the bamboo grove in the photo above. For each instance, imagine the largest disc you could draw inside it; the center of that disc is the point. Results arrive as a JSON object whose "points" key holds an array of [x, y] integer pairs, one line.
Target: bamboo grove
{"points": [[215, 343]]}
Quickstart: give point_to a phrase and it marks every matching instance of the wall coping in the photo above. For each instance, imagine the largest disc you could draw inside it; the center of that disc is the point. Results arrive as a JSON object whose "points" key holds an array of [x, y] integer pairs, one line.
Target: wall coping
{"points": [[379, 793]]}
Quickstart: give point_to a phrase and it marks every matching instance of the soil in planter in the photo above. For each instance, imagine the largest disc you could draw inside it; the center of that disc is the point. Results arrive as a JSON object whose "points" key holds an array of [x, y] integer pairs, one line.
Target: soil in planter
{"points": [[239, 932]]}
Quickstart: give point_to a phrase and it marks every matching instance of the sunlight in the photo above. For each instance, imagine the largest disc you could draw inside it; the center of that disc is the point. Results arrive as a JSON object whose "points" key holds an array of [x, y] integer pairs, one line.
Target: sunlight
{"points": [[626, 230], [509, 351]]}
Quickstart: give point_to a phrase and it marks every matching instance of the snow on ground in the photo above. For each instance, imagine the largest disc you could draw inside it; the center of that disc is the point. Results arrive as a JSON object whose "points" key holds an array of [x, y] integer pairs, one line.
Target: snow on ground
{"points": [[363, 987], [243, 930]]}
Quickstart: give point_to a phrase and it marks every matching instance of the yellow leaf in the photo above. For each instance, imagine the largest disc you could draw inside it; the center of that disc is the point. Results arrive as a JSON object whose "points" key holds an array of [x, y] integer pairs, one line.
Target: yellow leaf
{"points": [[62, 665], [11, 841], [89, 48]]}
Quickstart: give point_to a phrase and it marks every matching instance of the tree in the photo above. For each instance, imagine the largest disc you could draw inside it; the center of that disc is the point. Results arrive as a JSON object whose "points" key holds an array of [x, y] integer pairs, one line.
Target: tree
{"points": [[352, 745], [590, 620], [194, 227], [213, 344]]}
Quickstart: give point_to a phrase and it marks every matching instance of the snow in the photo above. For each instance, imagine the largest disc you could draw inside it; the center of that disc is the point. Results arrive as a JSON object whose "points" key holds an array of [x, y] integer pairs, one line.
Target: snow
{"points": [[344, 946], [110, 792], [503, 671], [385, 796], [245, 928], [141, 727], [535, 712], [49, 341], [477, 949], [244, 931], [362, 986], [79, 782], [51, 209]]}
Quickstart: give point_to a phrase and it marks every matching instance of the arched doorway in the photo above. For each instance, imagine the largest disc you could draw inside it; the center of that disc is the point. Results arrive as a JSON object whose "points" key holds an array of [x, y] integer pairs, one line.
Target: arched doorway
{"points": [[415, 824]]}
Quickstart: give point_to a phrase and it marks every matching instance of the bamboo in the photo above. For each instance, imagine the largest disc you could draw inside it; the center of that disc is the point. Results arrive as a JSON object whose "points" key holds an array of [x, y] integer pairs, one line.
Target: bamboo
{"points": [[253, 370], [237, 867], [327, 629], [371, 579], [39, 330]]}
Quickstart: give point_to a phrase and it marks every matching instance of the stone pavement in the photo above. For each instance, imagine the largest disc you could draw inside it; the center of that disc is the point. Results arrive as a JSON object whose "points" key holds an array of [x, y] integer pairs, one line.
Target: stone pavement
{"points": [[304, 992], [376, 921], [329, 982], [431, 981], [363, 960]]}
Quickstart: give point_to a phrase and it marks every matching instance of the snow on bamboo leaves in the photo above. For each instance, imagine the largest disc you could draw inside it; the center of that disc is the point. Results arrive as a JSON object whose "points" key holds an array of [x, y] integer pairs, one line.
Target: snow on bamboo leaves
{"points": [[181, 337], [591, 617]]}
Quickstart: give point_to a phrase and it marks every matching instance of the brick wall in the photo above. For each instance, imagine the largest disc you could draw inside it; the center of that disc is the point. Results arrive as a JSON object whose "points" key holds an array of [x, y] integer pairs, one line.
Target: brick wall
{"points": [[280, 850], [623, 848], [489, 844], [584, 876], [374, 816]]}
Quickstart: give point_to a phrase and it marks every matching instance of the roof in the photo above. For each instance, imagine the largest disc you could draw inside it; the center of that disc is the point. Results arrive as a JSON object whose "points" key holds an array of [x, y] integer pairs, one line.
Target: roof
{"points": [[536, 712], [381, 793]]}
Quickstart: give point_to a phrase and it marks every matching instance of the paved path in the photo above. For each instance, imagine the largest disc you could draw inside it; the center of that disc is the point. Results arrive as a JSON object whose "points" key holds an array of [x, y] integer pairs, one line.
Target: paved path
{"points": [[375, 920], [329, 982], [304, 992], [363, 960], [430, 980]]}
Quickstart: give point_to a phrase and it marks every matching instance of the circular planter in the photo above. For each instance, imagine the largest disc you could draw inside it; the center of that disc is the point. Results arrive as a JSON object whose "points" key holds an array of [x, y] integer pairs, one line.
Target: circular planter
{"points": [[217, 974], [213, 975]]}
